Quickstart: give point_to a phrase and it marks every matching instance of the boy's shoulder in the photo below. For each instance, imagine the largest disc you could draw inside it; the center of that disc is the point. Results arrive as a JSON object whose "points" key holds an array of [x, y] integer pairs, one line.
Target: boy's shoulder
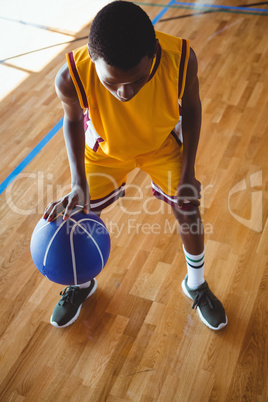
{"points": [[170, 43]]}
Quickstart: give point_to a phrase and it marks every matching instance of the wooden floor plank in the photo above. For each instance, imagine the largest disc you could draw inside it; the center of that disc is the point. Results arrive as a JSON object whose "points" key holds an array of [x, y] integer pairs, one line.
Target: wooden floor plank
{"points": [[137, 338]]}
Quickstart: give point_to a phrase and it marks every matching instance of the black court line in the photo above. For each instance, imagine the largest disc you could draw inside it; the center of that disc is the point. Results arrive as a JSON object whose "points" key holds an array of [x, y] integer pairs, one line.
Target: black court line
{"points": [[38, 26], [43, 48], [211, 8], [21, 166], [160, 20], [210, 11], [24, 70]]}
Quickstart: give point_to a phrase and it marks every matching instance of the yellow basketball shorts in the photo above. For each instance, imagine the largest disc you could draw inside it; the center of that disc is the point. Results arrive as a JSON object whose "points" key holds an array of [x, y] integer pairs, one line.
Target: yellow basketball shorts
{"points": [[107, 176]]}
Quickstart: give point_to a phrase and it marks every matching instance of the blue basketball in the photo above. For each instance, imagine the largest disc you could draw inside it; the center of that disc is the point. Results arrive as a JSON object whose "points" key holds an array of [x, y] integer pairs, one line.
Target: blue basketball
{"points": [[71, 252]]}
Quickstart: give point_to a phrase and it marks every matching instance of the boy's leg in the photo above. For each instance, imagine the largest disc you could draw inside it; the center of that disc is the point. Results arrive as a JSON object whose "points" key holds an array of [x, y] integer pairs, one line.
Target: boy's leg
{"points": [[192, 235], [164, 167], [106, 178], [191, 228]]}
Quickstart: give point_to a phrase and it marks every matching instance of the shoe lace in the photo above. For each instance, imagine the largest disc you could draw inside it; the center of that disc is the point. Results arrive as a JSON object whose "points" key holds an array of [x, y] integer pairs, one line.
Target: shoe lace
{"points": [[203, 296], [67, 294]]}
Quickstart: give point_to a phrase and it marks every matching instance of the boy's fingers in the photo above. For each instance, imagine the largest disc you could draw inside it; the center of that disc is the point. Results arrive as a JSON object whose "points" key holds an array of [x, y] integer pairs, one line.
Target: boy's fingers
{"points": [[86, 207], [180, 203], [68, 210]]}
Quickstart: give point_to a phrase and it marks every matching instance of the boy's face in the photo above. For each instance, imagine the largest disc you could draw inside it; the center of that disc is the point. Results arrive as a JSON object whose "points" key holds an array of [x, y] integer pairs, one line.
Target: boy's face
{"points": [[124, 84]]}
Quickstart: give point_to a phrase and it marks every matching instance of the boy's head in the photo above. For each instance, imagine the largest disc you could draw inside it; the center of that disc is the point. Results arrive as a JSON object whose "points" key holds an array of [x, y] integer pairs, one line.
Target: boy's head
{"points": [[121, 34]]}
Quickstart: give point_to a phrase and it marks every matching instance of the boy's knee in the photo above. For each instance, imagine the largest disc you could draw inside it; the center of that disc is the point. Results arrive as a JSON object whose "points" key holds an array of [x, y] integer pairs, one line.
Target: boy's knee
{"points": [[186, 213]]}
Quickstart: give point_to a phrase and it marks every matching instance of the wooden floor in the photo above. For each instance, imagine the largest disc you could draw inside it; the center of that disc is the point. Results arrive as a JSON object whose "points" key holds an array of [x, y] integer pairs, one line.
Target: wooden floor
{"points": [[137, 338]]}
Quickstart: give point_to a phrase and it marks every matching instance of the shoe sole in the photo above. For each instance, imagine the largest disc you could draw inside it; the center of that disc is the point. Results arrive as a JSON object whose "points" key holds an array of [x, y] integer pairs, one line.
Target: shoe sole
{"points": [[93, 290], [202, 318]]}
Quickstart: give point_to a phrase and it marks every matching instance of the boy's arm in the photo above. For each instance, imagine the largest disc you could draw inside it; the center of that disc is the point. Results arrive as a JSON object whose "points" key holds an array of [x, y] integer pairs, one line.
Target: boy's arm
{"points": [[73, 129], [189, 188]]}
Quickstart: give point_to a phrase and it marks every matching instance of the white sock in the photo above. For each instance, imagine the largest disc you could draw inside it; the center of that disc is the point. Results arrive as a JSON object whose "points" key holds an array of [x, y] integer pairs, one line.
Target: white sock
{"points": [[195, 268], [84, 285]]}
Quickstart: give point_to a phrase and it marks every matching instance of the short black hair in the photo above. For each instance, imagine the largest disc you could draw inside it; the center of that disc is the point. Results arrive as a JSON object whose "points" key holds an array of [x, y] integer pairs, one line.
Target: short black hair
{"points": [[121, 34]]}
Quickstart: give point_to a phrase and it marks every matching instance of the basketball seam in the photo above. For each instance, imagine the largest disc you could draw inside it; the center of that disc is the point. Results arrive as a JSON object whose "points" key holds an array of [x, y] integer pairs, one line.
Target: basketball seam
{"points": [[73, 257], [50, 242], [76, 212], [72, 246], [77, 223], [54, 235], [48, 223]]}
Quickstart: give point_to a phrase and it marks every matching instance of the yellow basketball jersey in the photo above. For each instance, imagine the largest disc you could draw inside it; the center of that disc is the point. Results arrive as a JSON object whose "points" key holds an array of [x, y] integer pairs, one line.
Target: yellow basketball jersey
{"points": [[124, 130]]}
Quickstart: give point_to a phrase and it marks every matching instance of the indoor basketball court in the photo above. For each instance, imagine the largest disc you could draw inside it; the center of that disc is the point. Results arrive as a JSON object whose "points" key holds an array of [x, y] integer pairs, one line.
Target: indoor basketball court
{"points": [[137, 337]]}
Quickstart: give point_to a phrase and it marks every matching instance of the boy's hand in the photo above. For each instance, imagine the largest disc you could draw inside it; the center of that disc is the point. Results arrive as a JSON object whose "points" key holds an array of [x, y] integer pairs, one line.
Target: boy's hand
{"points": [[189, 189], [78, 196]]}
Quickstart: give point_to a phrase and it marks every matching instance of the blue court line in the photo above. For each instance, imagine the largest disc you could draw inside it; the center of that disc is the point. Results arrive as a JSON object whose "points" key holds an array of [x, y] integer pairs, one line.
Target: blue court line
{"points": [[54, 130], [160, 15], [30, 156], [221, 7], [211, 8]]}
